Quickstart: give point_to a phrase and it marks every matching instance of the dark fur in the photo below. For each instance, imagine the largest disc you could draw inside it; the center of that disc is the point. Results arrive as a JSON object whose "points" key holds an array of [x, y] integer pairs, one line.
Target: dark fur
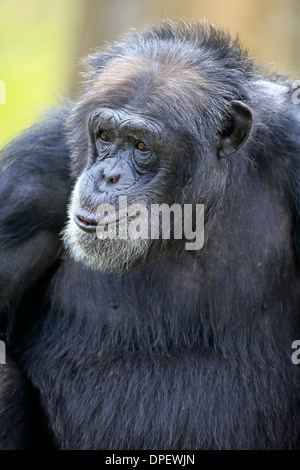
{"points": [[188, 350]]}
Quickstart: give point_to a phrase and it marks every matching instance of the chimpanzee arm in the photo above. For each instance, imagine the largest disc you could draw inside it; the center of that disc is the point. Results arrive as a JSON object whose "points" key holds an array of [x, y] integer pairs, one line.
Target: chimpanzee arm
{"points": [[34, 190], [18, 420]]}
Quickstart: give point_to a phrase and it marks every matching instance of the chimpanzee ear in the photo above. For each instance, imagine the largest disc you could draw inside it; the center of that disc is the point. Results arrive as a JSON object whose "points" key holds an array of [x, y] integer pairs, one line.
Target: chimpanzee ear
{"points": [[236, 130]]}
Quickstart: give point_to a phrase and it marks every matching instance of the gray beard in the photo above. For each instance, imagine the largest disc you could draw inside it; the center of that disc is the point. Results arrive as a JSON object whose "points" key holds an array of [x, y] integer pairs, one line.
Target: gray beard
{"points": [[108, 255]]}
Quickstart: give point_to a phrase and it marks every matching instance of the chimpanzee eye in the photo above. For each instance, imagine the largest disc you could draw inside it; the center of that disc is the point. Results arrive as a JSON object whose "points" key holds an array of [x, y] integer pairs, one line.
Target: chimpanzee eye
{"points": [[143, 154], [141, 146], [104, 136]]}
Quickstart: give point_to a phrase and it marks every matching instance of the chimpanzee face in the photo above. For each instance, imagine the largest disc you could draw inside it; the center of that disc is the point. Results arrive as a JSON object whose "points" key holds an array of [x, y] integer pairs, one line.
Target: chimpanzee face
{"points": [[139, 153]]}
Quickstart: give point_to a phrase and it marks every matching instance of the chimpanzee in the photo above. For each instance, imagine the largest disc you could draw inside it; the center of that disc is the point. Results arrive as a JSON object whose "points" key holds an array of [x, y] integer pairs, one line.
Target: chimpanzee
{"points": [[117, 339]]}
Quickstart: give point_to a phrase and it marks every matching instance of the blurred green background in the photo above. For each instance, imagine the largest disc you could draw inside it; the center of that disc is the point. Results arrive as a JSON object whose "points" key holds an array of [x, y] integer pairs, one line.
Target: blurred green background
{"points": [[41, 41]]}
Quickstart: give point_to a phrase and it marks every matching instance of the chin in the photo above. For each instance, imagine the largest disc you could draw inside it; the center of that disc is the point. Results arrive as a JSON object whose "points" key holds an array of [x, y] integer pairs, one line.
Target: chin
{"points": [[103, 254]]}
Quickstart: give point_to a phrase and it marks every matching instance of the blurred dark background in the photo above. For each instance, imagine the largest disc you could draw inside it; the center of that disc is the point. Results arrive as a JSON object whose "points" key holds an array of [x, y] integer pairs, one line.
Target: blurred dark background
{"points": [[41, 41]]}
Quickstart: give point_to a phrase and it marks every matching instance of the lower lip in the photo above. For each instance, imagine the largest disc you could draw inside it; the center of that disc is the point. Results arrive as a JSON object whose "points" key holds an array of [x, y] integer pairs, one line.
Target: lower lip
{"points": [[99, 225], [84, 226]]}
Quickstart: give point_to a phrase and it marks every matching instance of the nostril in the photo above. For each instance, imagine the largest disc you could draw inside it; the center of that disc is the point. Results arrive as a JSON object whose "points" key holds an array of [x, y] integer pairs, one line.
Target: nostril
{"points": [[114, 179], [110, 173], [110, 178]]}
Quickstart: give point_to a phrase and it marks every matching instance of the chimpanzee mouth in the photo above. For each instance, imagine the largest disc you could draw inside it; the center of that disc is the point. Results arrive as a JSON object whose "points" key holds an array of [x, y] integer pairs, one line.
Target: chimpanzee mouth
{"points": [[90, 225]]}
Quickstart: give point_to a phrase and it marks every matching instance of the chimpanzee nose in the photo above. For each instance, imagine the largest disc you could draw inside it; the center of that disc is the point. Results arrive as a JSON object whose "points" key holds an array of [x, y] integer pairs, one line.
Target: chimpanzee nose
{"points": [[111, 177], [111, 172]]}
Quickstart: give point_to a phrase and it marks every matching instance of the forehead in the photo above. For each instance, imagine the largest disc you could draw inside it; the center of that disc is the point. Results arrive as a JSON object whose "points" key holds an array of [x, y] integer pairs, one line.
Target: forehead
{"points": [[144, 83]]}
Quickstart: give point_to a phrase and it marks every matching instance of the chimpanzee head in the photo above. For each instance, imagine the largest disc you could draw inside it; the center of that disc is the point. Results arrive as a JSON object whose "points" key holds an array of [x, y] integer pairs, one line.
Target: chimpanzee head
{"points": [[160, 116]]}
